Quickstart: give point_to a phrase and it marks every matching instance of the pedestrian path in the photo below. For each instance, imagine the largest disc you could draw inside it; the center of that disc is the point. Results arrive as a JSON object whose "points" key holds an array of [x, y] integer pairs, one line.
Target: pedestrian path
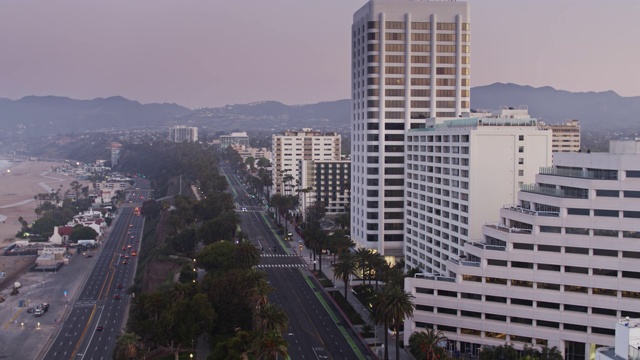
{"points": [[281, 265], [355, 303]]}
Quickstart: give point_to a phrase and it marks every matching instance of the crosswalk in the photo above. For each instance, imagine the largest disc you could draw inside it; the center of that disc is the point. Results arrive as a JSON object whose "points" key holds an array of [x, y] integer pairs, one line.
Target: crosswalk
{"points": [[280, 255], [281, 265]]}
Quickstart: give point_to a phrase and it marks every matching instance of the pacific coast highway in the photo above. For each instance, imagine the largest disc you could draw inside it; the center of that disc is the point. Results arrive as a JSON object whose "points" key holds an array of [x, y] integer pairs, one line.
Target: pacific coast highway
{"points": [[97, 315]]}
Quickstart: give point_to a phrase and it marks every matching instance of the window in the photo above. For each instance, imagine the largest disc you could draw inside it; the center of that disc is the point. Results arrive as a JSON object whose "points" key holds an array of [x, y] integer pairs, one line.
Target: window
{"points": [[397, 25], [394, 36], [547, 305], [575, 211], [608, 193], [605, 252], [549, 324], [520, 161], [608, 213]]}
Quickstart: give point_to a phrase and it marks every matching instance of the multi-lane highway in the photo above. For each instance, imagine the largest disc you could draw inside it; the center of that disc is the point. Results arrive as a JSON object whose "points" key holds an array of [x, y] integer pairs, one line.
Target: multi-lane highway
{"points": [[98, 313], [316, 328]]}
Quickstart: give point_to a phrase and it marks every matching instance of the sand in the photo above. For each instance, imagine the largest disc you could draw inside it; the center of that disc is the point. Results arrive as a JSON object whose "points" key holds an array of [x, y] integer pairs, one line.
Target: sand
{"points": [[19, 183]]}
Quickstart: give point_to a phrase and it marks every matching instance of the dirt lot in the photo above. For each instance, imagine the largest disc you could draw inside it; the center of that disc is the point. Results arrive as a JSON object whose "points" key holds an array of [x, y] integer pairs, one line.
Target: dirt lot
{"points": [[13, 266]]}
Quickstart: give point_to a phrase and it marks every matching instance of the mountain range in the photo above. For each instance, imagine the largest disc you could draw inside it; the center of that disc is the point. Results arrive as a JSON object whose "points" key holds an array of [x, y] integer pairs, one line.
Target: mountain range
{"points": [[41, 115]]}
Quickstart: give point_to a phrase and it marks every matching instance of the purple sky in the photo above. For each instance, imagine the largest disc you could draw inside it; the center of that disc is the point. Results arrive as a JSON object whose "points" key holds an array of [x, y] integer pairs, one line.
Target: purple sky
{"points": [[215, 52]]}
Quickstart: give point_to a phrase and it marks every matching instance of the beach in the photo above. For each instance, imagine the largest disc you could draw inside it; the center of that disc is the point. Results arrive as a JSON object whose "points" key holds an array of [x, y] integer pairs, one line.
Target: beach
{"points": [[20, 181]]}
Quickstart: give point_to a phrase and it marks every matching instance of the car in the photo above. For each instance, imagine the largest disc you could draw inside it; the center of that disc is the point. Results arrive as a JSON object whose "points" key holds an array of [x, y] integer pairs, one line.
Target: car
{"points": [[116, 296], [126, 256], [132, 236], [129, 246], [125, 262], [124, 248], [130, 225], [99, 328], [88, 256], [244, 209], [133, 253], [119, 286]]}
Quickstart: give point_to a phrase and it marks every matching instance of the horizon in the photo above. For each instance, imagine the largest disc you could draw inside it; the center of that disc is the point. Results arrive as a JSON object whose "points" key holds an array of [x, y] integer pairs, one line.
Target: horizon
{"points": [[300, 104], [295, 52]]}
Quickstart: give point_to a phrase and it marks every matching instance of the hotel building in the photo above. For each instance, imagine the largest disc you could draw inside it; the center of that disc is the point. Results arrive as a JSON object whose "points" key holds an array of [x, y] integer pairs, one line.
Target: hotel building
{"points": [[410, 61], [459, 173], [554, 269]]}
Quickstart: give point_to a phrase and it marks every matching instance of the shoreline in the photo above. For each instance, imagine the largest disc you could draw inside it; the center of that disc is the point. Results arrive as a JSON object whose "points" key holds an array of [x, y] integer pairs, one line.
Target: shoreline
{"points": [[20, 181]]}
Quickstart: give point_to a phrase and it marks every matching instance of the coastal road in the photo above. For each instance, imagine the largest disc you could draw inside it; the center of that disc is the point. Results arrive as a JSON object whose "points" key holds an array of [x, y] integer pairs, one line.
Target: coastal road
{"points": [[316, 328], [98, 314]]}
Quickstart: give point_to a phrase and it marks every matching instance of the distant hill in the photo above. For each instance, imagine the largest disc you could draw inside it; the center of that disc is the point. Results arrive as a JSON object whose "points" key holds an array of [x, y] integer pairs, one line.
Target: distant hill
{"points": [[275, 116], [595, 110], [42, 115]]}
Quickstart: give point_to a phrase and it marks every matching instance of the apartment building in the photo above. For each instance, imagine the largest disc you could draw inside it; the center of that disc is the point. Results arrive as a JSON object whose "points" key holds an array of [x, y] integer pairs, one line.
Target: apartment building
{"points": [[410, 61], [290, 147], [566, 136], [326, 181], [459, 173], [554, 269], [183, 133]]}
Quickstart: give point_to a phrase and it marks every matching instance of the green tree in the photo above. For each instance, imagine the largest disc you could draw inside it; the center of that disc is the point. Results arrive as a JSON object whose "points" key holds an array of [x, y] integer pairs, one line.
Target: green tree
{"points": [[217, 257], [343, 268], [362, 257], [271, 317], [271, 346], [246, 255], [391, 308], [185, 241], [82, 233], [425, 345], [126, 347]]}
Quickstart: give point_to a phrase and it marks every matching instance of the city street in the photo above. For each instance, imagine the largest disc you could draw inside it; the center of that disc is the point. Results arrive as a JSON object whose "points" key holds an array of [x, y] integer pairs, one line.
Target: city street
{"points": [[316, 328]]}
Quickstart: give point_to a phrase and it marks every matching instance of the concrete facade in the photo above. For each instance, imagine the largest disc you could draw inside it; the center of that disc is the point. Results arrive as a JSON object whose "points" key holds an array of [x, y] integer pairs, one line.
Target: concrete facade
{"points": [[410, 61]]}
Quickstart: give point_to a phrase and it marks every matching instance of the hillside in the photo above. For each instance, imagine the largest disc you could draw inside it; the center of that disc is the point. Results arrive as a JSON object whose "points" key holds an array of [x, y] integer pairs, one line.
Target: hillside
{"points": [[41, 115]]}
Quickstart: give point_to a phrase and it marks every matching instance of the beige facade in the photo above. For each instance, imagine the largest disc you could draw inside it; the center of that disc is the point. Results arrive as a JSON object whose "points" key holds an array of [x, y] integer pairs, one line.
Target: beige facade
{"points": [[291, 147], [566, 137]]}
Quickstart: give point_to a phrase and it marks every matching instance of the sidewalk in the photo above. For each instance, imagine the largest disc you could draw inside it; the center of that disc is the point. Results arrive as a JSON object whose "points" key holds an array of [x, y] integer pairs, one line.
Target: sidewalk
{"points": [[339, 285]]}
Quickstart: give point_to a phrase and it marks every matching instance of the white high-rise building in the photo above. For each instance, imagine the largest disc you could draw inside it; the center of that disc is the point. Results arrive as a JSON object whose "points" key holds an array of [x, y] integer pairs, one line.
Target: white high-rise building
{"points": [[459, 173], [554, 269], [290, 147], [410, 61], [183, 133]]}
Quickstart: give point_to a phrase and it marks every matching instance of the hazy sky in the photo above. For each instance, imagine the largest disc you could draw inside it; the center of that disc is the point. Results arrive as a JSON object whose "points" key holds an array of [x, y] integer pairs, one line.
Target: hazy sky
{"points": [[216, 52]]}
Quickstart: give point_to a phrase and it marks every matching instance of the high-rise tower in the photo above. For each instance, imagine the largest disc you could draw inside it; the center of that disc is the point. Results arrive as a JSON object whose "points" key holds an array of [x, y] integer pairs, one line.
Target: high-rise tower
{"points": [[410, 61]]}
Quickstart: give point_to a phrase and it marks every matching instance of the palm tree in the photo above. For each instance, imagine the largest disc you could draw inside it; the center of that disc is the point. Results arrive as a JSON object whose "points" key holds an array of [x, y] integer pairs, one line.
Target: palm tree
{"points": [[362, 256], [391, 308], [379, 317], [425, 345], [126, 346], [247, 255], [271, 345], [271, 317], [343, 269], [380, 267]]}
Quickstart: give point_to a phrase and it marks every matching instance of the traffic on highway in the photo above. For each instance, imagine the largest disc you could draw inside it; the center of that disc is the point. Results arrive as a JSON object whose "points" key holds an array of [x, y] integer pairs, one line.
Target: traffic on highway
{"points": [[99, 312]]}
